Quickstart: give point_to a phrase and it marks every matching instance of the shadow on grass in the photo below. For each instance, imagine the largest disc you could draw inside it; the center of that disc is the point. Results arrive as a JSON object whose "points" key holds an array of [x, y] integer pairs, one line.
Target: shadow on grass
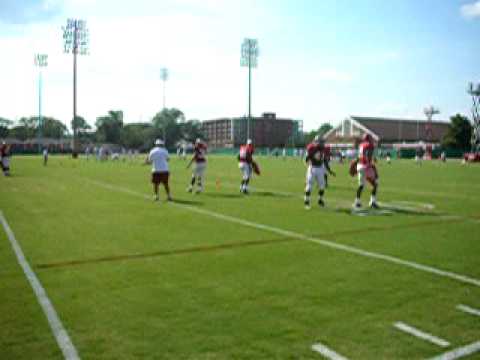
{"points": [[187, 202], [224, 195], [386, 210], [269, 194]]}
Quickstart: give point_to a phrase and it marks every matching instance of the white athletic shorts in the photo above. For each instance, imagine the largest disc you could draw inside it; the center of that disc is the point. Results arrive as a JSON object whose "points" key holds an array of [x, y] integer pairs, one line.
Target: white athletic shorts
{"points": [[246, 170], [365, 173], [315, 174], [199, 169]]}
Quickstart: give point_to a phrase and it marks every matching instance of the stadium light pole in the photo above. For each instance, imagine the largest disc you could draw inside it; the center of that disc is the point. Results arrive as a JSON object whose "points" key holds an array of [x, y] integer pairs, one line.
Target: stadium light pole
{"points": [[474, 91], [40, 61], [429, 112], [75, 41], [164, 77], [249, 58]]}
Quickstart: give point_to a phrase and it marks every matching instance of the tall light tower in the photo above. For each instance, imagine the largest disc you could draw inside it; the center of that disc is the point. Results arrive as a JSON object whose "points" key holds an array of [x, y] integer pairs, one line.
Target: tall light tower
{"points": [[474, 91], [249, 59], [164, 77], [40, 61], [429, 112], [75, 41]]}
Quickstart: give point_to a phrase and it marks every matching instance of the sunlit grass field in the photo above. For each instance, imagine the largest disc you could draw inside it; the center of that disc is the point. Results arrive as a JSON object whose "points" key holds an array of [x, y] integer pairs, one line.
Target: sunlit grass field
{"points": [[221, 275]]}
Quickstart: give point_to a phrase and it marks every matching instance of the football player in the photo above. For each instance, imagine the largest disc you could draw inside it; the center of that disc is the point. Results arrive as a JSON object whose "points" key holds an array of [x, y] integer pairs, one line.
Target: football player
{"points": [[245, 164], [366, 171], [316, 159], [200, 159]]}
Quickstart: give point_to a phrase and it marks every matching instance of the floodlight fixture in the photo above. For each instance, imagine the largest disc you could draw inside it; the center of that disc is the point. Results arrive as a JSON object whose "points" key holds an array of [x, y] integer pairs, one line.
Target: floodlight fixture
{"points": [[75, 40], [249, 58], [40, 60], [429, 112]]}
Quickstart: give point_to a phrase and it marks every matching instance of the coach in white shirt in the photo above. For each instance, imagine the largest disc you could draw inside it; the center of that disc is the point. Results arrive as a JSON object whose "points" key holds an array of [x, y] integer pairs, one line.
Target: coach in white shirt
{"points": [[158, 157]]}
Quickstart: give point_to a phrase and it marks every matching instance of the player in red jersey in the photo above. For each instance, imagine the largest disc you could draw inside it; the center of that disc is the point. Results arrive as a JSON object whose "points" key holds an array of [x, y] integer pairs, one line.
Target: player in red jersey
{"points": [[318, 166], [366, 171], [200, 159], [245, 164]]}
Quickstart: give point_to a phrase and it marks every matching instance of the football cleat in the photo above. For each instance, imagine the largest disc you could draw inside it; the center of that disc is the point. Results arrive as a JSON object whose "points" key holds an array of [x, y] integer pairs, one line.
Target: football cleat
{"points": [[357, 205], [374, 205], [321, 202]]}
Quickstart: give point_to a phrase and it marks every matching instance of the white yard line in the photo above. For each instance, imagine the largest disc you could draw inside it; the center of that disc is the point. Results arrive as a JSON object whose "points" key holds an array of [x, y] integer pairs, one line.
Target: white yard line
{"points": [[327, 352], [459, 352], [468, 309], [350, 249], [420, 334], [63, 340]]}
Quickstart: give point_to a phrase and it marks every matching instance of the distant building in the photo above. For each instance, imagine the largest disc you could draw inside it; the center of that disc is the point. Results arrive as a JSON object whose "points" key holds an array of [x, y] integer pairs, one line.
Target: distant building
{"points": [[387, 132], [266, 131]]}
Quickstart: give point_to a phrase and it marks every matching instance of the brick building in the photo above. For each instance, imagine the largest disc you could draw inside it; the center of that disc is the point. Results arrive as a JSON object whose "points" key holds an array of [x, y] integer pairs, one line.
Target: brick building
{"points": [[265, 131], [387, 131]]}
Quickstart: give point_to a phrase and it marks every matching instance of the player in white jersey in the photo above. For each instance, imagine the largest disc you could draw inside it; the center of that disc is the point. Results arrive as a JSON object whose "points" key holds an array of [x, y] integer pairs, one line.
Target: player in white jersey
{"points": [[45, 156], [158, 157]]}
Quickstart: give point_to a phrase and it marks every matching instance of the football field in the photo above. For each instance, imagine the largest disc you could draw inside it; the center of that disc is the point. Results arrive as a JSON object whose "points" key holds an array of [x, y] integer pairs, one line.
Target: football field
{"points": [[91, 267]]}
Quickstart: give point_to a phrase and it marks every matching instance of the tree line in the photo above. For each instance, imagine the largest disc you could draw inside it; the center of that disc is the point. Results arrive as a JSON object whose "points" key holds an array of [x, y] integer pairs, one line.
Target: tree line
{"points": [[170, 125]]}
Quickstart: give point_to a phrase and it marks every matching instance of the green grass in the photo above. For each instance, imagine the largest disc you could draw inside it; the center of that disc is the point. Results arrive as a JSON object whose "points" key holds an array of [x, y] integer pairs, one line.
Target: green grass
{"points": [[134, 278]]}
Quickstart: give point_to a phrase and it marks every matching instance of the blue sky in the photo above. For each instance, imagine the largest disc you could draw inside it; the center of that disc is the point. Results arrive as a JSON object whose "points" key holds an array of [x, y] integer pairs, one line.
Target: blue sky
{"points": [[320, 61]]}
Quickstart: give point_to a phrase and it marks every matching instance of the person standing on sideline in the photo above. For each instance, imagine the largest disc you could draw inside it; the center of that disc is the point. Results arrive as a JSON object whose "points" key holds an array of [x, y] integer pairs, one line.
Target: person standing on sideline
{"points": [[318, 165], [245, 164], [366, 171], [158, 157], [45, 156], [200, 159], [5, 158]]}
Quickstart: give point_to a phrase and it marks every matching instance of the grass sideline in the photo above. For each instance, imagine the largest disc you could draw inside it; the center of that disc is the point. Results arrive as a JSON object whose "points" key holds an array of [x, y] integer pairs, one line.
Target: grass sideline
{"points": [[131, 278]]}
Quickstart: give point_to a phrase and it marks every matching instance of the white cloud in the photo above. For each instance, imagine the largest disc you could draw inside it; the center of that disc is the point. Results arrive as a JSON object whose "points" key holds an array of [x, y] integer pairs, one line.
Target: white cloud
{"points": [[471, 11]]}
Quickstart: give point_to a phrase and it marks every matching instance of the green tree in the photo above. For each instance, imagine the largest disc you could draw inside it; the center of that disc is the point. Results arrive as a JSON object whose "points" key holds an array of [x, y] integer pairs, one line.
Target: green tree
{"points": [[25, 128], [166, 125], [82, 129], [324, 128], [109, 127], [459, 133], [53, 128], [80, 124], [191, 130], [137, 136], [4, 125]]}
